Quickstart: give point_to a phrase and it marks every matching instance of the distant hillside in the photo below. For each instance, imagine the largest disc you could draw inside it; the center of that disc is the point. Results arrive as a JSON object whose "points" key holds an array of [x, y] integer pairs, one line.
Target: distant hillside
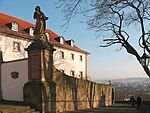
{"points": [[126, 80], [124, 88]]}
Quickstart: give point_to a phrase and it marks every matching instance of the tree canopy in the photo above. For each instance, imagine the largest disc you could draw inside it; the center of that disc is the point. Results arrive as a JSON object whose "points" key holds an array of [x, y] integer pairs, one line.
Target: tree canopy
{"points": [[113, 19]]}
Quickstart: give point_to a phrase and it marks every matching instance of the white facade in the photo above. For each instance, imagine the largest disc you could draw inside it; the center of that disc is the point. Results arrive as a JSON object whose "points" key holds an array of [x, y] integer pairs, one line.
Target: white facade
{"points": [[68, 64], [9, 48], [12, 89], [17, 34]]}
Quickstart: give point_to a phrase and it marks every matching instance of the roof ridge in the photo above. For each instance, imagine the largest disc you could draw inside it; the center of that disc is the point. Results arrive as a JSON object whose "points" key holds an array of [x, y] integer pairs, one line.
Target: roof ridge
{"points": [[23, 22], [6, 18], [17, 18]]}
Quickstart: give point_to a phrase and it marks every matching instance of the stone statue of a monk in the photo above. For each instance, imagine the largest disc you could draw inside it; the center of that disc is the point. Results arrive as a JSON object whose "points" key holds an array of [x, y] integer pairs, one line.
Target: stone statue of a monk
{"points": [[40, 21]]}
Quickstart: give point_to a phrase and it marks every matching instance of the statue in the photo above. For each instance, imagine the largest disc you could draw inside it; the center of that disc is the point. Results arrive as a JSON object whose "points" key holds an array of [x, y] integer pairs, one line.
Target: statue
{"points": [[40, 40], [40, 21]]}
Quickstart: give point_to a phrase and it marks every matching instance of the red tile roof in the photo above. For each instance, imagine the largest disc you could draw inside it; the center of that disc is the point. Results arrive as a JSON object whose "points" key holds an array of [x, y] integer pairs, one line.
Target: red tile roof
{"points": [[6, 19]]}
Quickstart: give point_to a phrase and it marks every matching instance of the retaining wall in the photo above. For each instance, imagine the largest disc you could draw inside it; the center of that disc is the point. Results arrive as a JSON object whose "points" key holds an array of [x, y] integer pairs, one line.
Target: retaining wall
{"points": [[76, 94]]}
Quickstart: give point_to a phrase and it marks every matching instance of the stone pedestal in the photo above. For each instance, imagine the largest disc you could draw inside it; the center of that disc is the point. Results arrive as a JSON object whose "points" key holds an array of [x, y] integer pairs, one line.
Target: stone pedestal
{"points": [[40, 91], [40, 63], [41, 96], [32, 93]]}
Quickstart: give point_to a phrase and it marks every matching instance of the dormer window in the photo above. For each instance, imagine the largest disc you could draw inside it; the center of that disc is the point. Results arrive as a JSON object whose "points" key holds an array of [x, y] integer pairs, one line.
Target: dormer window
{"points": [[48, 35], [31, 31], [14, 26], [61, 40], [70, 42]]}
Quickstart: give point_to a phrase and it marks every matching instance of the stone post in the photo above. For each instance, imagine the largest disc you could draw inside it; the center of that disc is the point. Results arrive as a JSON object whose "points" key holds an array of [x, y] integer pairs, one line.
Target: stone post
{"points": [[40, 65], [1, 61], [40, 91]]}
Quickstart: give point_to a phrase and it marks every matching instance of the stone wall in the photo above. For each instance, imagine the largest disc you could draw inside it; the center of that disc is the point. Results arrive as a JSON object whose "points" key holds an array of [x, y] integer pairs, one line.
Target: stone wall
{"points": [[76, 94]]}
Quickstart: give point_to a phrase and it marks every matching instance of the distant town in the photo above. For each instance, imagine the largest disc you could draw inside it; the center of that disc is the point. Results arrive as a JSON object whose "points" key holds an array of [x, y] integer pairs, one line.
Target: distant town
{"points": [[124, 88]]}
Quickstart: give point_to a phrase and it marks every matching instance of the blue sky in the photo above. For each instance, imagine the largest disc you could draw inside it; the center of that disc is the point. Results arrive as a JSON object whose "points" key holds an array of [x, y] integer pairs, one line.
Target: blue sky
{"points": [[105, 63]]}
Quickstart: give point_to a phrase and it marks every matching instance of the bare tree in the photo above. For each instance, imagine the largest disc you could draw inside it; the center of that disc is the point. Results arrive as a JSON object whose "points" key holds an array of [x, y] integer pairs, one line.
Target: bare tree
{"points": [[113, 19]]}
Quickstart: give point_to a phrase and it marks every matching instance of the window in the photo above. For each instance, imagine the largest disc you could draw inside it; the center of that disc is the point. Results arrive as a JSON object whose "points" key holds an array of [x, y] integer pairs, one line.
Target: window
{"points": [[81, 58], [61, 40], [14, 26], [16, 46], [31, 31], [81, 74], [72, 43], [72, 56], [72, 73], [62, 54]]}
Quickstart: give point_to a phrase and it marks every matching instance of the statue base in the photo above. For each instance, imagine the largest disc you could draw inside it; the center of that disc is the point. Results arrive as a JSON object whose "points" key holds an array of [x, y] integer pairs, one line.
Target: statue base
{"points": [[41, 96]]}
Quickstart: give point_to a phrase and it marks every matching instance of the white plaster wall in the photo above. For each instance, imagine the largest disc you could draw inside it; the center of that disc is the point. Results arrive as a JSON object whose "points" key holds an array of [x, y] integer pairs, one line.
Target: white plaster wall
{"points": [[12, 89], [6, 46], [67, 64]]}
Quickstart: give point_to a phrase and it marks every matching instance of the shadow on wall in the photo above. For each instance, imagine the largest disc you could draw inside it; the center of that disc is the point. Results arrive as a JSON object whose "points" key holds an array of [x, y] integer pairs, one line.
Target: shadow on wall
{"points": [[76, 93]]}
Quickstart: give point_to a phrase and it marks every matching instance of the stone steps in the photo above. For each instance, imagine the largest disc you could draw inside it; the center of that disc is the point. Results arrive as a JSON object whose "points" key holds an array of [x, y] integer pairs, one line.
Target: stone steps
{"points": [[15, 108]]}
